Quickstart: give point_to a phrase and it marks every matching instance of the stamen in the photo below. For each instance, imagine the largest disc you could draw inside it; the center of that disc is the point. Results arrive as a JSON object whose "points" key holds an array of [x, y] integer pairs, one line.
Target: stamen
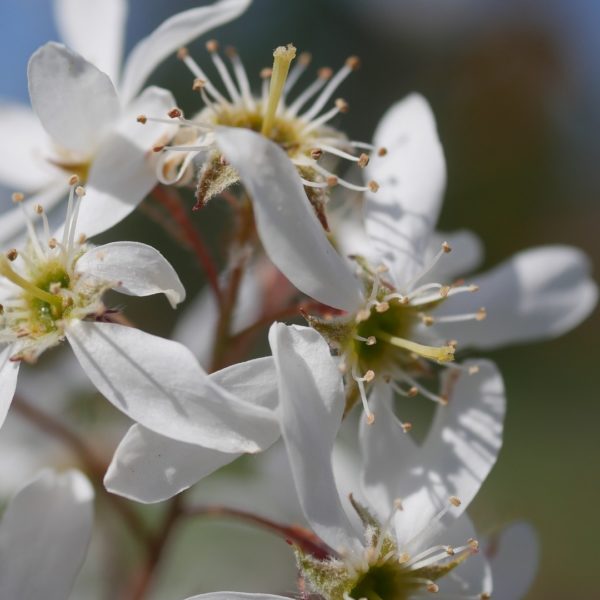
{"points": [[445, 249], [386, 527], [352, 64], [480, 315], [39, 209], [212, 46], [342, 182], [369, 375], [296, 72], [241, 77], [370, 341], [80, 193], [283, 57], [323, 76], [193, 66], [440, 399]]}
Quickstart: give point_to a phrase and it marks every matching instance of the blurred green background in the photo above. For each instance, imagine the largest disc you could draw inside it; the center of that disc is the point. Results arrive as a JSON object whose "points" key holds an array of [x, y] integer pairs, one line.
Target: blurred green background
{"points": [[515, 86]]}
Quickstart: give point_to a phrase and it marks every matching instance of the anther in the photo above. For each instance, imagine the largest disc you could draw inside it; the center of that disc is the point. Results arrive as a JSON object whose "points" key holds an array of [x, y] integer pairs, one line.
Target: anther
{"points": [[143, 119], [403, 558], [198, 84], [412, 392], [353, 62], [406, 427], [485, 596], [175, 113], [342, 105], [455, 501], [481, 314], [73, 180], [325, 73], [450, 551], [52, 243], [373, 186], [18, 197], [182, 53], [38, 209], [332, 181], [305, 58], [444, 291], [80, 191], [382, 307], [432, 587], [382, 151], [266, 73], [369, 376], [212, 45], [446, 247], [427, 320], [473, 544], [371, 340], [363, 160], [231, 51], [158, 148], [316, 153], [12, 254]]}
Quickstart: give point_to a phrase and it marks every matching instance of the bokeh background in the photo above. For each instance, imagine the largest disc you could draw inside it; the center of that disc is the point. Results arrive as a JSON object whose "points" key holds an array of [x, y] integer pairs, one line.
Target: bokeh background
{"points": [[515, 86]]}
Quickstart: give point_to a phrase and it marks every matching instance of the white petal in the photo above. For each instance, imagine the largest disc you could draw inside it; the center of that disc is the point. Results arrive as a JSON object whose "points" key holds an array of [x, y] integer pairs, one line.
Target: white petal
{"points": [[175, 32], [123, 171], [94, 29], [289, 229], [412, 177], [197, 322], [538, 294], [311, 406], [456, 457], [466, 255], [159, 384], [74, 100], [148, 467], [236, 596], [44, 534], [514, 558], [139, 269], [22, 164], [9, 372], [13, 229]]}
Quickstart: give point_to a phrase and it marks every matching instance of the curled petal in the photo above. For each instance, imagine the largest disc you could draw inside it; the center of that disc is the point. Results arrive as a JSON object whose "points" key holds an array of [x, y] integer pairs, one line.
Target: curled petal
{"points": [[288, 227], [138, 269]]}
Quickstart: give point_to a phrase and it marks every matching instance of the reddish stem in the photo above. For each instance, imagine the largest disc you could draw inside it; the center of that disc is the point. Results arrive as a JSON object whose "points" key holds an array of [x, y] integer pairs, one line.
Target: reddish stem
{"points": [[293, 534], [175, 207]]}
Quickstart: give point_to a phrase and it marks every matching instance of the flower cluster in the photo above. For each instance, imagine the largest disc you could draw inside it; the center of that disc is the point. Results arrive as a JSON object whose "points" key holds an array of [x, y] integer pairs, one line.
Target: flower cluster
{"points": [[386, 307]]}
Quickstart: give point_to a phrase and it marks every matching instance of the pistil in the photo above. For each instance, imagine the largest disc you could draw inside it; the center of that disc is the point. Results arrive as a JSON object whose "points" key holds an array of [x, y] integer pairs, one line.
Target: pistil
{"points": [[284, 55]]}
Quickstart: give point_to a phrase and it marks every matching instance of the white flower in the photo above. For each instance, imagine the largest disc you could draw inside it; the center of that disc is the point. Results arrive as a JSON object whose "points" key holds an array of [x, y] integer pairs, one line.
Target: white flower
{"points": [[403, 533], [44, 534], [299, 126], [52, 290], [87, 115], [401, 321]]}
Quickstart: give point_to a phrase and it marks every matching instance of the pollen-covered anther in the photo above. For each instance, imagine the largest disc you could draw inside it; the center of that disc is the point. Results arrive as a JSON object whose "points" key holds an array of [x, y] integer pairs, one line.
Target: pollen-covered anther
{"points": [[175, 113], [427, 320], [52, 243], [406, 427], [212, 46], [143, 119], [455, 501], [403, 558], [371, 340], [433, 587], [73, 180], [369, 376], [18, 197], [382, 307], [382, 151], [38, 209], [412, 392], [450, 551], [373, 186], [316, 153], [12, 254], [446, 247], [80, 191], [332, 181], [363, 160], [473, 544], [342, 105], [353, 62], [481, 314], [325, 73], [198, 85]]}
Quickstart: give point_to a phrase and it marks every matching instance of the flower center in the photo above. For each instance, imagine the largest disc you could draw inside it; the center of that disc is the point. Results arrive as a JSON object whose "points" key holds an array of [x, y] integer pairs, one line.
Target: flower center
{"points": [[300, 127], [50, 288]]}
